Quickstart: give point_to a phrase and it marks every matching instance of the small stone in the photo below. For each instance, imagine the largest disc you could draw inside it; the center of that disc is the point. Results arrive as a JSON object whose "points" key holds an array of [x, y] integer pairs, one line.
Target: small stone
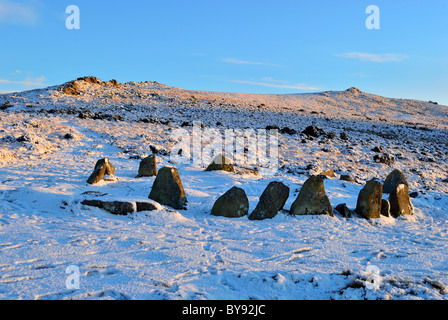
{"points": [[312, 199], [167, 189], [379, 149], [146, 206], [102, 167], [271, 201], [221, 163], [384, 158], [288, 130], [343, 136], [233, 204], [344, 210], [414, 194], [348, 178], [313, 131], [329, 173]]}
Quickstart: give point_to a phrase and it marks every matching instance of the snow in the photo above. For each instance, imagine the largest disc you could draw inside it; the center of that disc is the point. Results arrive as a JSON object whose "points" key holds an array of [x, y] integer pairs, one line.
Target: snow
{"points": [[190, 254]]}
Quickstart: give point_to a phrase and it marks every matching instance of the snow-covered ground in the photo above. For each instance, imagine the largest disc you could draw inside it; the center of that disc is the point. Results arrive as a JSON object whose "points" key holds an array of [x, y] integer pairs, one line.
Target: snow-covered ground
{"points": [[190, 254]]}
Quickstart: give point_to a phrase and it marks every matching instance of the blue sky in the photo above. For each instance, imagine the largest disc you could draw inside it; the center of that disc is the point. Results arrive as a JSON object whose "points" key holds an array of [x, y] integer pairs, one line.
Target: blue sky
{"points": [[255, 46]]}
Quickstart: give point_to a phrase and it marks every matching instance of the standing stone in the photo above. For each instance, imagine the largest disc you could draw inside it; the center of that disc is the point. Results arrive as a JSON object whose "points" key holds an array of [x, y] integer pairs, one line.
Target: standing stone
{"points": [[385, 208], [232, 204], [221, 163], [369, 200], [394, 179], [102, 167], [148, 167], [400, 202], [271, 201], [312, 199], [167, 189]]}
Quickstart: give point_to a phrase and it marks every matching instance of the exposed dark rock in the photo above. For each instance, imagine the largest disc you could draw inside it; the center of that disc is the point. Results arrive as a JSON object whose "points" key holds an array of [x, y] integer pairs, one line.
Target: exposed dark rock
{"points": [[343, 136], [395, 178], [369, 200], [346, 177], [273, 127], [114, 207], [328, 174], [414, 194], [379, 149], [385, 208], [313, 131], [384, 158], [271, 201], [145, 206], [102, 167], [400, 202], [344, 210], [167, 189], [6, 105], [288, 130], [221, 163], [312, 199], [148, 167], [232, 204]]}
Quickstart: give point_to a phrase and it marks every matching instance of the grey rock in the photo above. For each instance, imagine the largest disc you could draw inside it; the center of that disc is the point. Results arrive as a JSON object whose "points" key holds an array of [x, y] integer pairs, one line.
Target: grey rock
{"points": [[221, 163], [148, 167], [395, 178], [385, 208], [145, 206], [271, 201], [400, 202], [114, 207], [348, 178], [369, 200], [167, 189], [232, 204], [102, 167], [344, 210], [312, 199]]}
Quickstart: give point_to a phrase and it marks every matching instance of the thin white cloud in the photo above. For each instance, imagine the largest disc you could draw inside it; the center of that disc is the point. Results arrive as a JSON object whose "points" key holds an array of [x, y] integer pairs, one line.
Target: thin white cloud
{"points": [[27, 83], [246, 62], [373, 57], [279, 84], [16, 12]]}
